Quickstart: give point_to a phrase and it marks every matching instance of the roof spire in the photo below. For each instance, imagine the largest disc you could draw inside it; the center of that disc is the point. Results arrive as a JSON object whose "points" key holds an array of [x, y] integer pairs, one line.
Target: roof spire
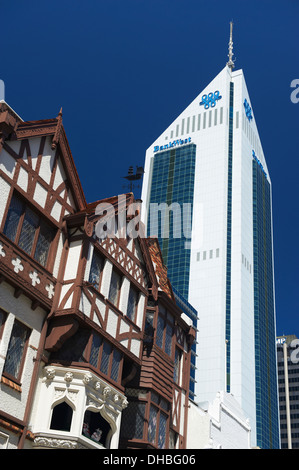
{"points": [[231, 62]]}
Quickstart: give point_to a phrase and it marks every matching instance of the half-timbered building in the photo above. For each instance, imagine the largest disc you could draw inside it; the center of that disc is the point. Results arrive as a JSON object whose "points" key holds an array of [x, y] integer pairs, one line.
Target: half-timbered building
{"points": [[94, 350]]}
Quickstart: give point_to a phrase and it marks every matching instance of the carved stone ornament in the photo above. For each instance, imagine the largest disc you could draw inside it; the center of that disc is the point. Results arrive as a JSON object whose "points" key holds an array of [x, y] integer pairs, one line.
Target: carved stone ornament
{"points": [[97, 386], [87, 378], [55, 443], [50, 373], [68, 377], [106, 392], [124, 403]]}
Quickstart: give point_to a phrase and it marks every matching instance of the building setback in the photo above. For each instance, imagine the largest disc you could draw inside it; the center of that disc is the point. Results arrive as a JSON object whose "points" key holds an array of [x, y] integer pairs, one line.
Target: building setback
{"points": [[94, 350], [209, 168]]}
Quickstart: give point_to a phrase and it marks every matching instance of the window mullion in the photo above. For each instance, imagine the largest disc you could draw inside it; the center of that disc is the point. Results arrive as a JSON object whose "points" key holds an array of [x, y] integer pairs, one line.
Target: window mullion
{"points": [[20, 225]]}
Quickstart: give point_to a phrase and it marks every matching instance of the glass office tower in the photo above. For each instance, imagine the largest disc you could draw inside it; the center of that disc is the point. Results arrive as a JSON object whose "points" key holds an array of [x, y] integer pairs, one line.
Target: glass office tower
{"points": [[211, 158]]}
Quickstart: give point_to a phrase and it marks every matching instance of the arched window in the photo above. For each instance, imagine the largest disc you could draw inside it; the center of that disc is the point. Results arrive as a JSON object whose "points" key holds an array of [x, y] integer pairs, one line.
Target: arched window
{"points": [[62, 417], [96, 428]]}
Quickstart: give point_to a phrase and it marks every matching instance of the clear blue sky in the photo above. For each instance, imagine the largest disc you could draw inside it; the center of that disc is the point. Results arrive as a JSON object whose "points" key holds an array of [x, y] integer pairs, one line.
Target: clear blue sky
{"points": [[123, 70]]}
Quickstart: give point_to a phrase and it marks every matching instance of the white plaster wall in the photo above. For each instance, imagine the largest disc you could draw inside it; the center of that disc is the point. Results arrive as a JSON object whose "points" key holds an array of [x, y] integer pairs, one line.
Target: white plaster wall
{"points": [[58, 255], [106, 277], [40, 194], [23, 179], [7, 163], [14, 402], [198, 431], [72, 262], [4, 192], [124, 295]]}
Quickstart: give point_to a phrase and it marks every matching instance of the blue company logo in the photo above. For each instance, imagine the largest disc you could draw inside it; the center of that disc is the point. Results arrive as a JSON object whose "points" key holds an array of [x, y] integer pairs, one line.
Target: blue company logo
{"points": [[248, 110], [172, 144], [258, 162], [210, 100]]}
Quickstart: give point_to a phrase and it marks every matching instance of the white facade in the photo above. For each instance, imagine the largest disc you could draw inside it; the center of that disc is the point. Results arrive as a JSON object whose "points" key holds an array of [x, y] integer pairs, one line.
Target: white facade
{"points": [[220, 424], [208, 129]]}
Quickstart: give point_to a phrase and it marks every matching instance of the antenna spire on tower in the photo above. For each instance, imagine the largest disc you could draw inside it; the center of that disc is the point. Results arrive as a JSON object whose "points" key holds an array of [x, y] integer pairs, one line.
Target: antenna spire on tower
{"points": [[231, 62]]}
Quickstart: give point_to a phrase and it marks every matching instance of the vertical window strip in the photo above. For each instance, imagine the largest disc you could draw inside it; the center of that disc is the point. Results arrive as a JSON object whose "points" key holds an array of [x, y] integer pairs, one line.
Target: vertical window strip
{"points": [[228, 236], [198, 122]]}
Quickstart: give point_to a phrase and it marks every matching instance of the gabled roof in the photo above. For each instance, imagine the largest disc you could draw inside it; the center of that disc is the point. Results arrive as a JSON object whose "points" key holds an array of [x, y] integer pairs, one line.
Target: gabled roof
{"points": [[54, 128]]}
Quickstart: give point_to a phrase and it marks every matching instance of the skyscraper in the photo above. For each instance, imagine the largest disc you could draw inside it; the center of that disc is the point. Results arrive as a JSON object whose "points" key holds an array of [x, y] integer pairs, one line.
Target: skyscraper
{"points": [[288, 382], [218, 247]]}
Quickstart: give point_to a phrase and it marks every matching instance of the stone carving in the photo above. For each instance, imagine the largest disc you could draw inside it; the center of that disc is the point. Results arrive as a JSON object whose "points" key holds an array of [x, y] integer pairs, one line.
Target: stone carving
{"points": [[68, 377]]}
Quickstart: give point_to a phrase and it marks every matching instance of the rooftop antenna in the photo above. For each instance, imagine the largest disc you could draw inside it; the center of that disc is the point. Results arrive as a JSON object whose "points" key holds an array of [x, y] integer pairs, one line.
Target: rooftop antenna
{"points": [[231, 62]]}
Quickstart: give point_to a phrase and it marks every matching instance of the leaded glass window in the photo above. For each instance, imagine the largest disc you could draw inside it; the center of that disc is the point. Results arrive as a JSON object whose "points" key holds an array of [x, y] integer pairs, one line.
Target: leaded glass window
{"points": [[132, 304], [95, 349], [164, 334], [114, 288], [105, 357], [133, 419], [160, 331], [162, 431], [95, 270], [15, 211], [16, 350], [46, 235], [177, 362], [152, 424], [168, 339], [115, 364], [28, 230]]}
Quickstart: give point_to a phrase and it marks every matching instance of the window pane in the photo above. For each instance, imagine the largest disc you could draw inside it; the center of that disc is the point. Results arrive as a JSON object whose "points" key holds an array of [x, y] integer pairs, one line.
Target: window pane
{"points": [[168, 340], [114, 287], [115, 364], [160, 330], [43, 243], [13, 217], [95, 270], [29, 227], [16, 349], [132, 303], [177, 360], [95, 348], [152, 424], [105, 358], [162, 431], [132, 422]]}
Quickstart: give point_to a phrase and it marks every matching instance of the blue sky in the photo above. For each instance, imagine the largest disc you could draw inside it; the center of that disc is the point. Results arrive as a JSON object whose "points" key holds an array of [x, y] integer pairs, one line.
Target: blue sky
{"points": [[123, 70]]}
